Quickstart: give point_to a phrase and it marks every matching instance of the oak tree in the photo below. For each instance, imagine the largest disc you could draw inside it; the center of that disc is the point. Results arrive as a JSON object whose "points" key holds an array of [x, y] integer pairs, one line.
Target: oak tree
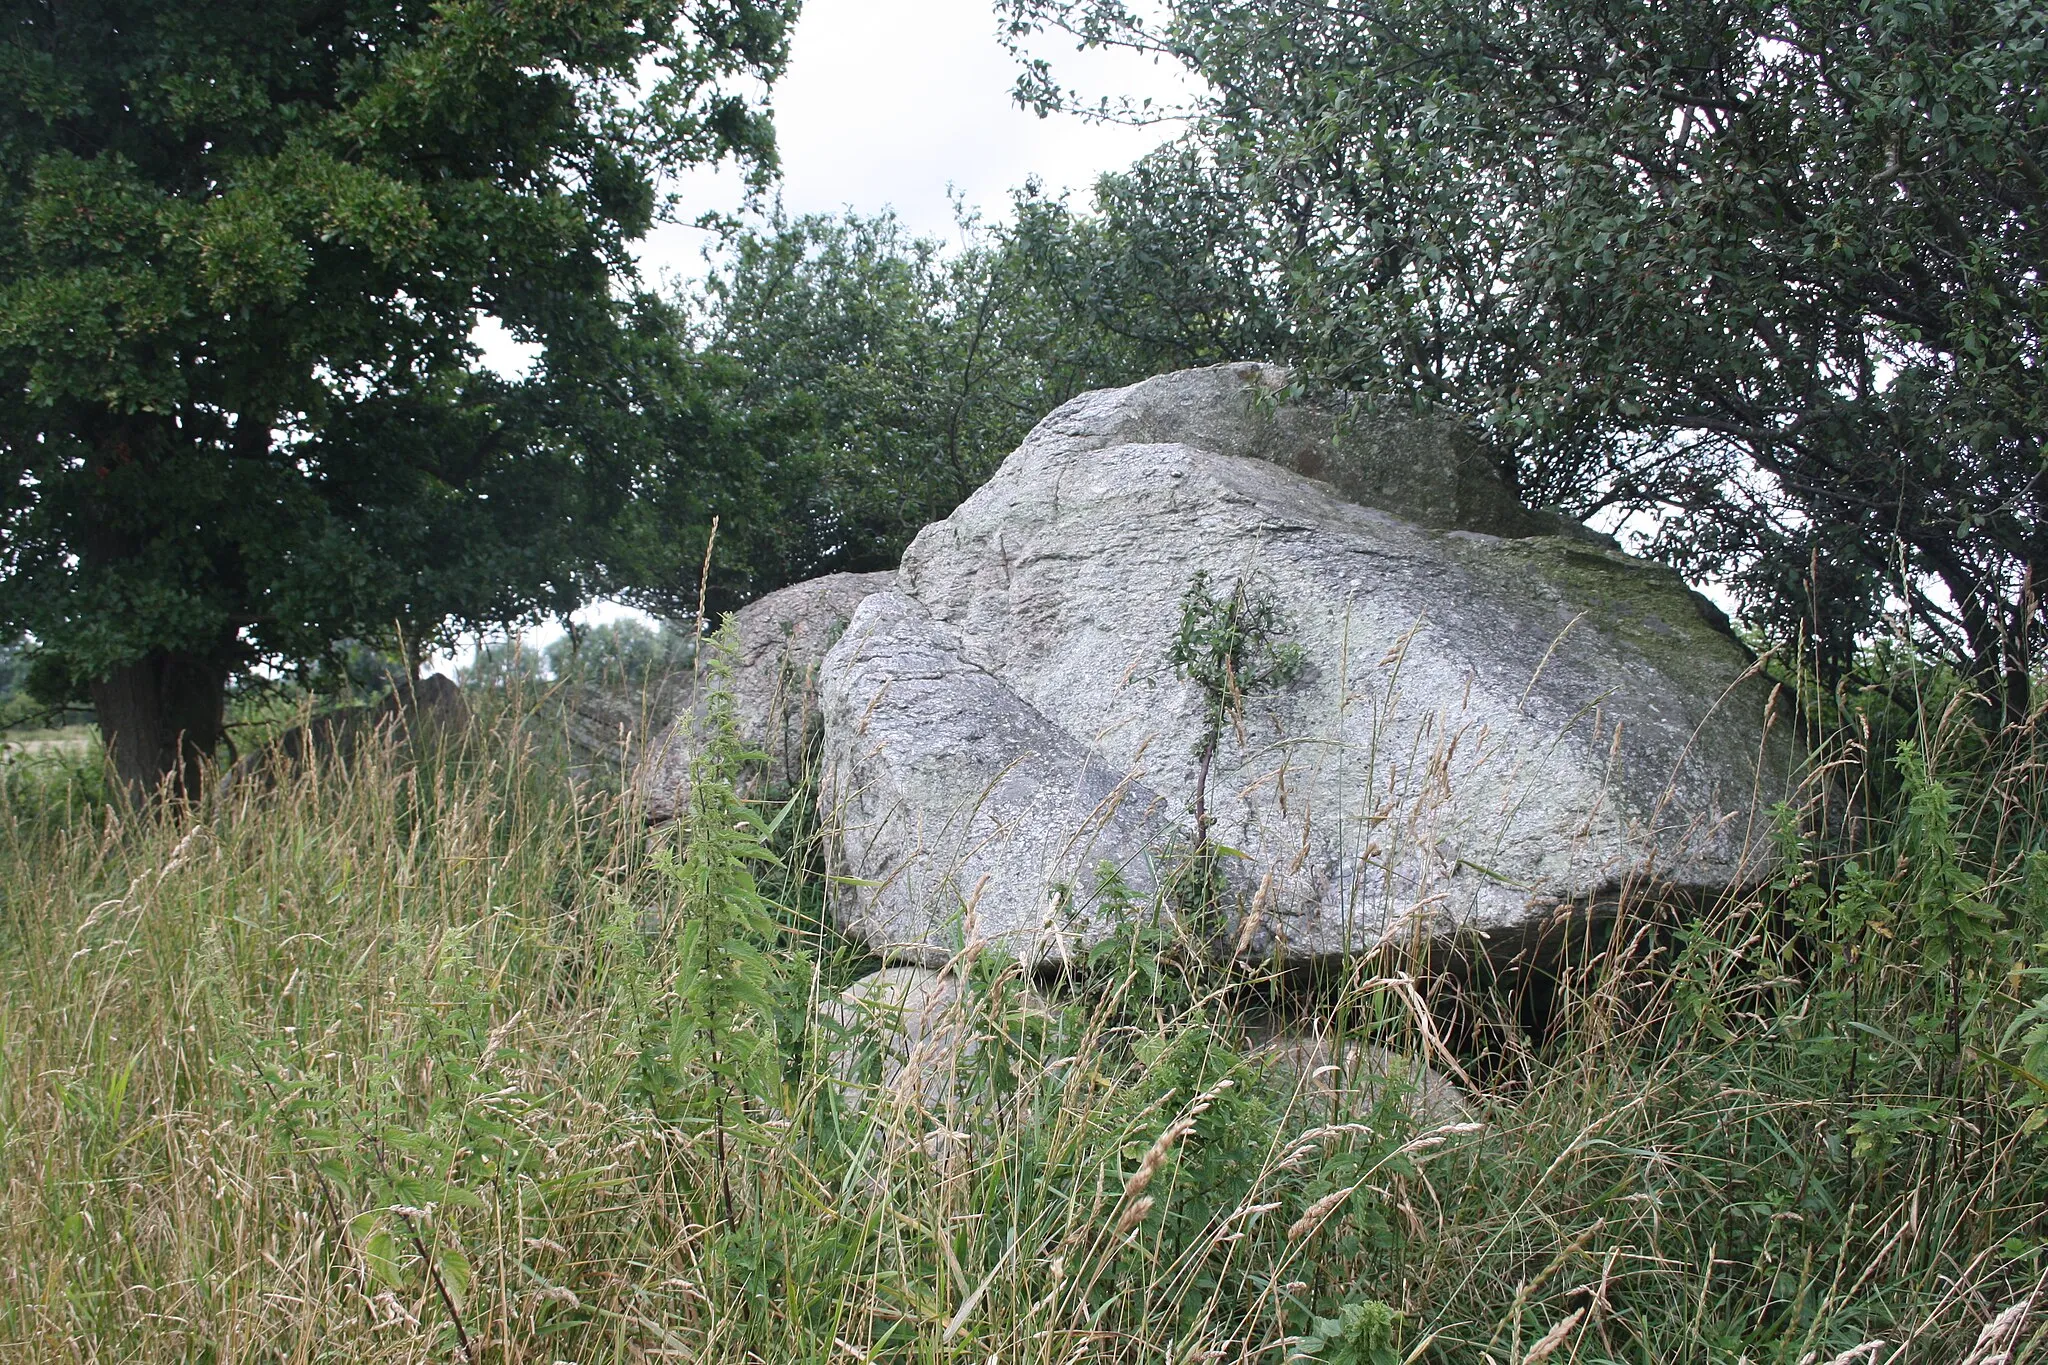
{"points": [[244, 247]]}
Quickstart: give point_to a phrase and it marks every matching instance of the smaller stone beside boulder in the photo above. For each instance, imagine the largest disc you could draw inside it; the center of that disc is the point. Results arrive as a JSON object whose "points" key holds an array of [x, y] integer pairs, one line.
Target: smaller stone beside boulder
{"points": [[903, 1034], [412, 709], [606, 726], [781, 639], [913, 1020], [1353, 1081]]}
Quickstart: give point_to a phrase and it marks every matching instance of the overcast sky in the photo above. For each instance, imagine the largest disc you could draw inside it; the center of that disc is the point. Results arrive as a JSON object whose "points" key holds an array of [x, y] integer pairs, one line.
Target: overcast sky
{"points": [[886, 104]]}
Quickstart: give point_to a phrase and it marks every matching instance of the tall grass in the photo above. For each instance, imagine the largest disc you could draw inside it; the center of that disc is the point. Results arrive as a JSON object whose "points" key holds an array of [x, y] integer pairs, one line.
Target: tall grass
{"points": [[389, 1061]]}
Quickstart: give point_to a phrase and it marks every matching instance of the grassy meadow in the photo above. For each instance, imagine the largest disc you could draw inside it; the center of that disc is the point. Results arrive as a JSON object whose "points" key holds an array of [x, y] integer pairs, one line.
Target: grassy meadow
{"points": [[430, 1055]]}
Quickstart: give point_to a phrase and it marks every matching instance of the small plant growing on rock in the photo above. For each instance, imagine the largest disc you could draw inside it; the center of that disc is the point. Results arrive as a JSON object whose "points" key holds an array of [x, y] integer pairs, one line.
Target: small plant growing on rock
{"points": [[1233, 647]]}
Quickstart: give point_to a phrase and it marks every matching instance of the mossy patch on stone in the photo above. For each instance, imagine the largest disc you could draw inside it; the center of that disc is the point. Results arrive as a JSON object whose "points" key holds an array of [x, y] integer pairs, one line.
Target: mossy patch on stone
{"points": [[1644, 604]]}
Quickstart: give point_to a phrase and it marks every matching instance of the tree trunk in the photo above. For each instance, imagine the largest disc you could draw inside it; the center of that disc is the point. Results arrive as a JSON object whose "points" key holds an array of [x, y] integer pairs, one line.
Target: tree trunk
{"points": [[162, 717]]}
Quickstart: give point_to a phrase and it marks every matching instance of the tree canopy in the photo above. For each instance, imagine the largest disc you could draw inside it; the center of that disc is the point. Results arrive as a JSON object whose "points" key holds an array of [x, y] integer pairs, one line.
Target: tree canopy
{"points": [[882, 376], [244, 246], [1763, 277], [1767, 274]]}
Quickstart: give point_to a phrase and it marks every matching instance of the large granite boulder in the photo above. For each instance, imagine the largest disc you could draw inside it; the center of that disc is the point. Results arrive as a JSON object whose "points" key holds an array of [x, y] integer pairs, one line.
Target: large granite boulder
{"points": [[780, 640], [1492, 723]]}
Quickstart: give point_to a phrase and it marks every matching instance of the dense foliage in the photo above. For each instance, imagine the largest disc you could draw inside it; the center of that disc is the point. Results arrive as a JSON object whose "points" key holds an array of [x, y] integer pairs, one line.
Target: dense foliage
{"points": [[244, 245], [895, 374], [1766, 273]]}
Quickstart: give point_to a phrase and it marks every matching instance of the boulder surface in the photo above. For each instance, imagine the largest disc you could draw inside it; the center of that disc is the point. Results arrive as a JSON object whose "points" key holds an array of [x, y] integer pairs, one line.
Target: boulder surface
{"points": [[923, 1028], [780, 640], [1493, 721]]}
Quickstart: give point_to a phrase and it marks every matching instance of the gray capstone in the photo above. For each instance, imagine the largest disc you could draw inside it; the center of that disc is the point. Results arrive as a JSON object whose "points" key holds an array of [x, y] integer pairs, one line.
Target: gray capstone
{"points": [[1431, 471], [780, 641], [1491, 726]]}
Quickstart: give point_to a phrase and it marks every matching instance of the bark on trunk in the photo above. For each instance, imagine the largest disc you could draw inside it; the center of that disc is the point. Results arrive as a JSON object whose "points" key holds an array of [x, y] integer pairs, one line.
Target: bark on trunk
{"points": [[162, 718]]}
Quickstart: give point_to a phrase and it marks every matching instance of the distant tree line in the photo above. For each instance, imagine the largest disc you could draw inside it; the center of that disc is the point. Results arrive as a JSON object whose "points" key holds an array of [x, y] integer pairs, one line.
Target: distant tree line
{"points": [[623, 655]]}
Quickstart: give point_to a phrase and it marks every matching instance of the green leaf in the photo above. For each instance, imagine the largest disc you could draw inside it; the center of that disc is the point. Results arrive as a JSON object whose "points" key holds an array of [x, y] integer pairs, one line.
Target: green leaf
{"points": [[380, 1256], [454, 1268]]}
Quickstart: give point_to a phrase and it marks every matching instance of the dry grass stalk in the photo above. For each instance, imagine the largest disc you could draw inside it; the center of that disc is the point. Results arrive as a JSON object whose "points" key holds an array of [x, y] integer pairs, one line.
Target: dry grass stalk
{"points": [[1133, 1216], [1312, 1217], [1994, 1343], [1553, 1341]]}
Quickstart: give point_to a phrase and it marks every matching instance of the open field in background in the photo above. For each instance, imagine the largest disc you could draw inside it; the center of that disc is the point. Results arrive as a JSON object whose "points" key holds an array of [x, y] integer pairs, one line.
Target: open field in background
{"points": [[434, 1055], [73, 744]]}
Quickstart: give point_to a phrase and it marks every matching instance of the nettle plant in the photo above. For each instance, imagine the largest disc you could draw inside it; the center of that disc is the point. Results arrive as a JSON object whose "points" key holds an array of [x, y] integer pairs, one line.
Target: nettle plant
{"points": [[715, 1046], [1913, 947], [1364, 1332], [1233, 647], [412, 1145]]}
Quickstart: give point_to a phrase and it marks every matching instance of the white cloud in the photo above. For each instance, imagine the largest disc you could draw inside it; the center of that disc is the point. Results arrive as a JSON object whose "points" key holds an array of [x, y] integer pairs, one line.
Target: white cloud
{"points": [[896, 103], [886, 103]]}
